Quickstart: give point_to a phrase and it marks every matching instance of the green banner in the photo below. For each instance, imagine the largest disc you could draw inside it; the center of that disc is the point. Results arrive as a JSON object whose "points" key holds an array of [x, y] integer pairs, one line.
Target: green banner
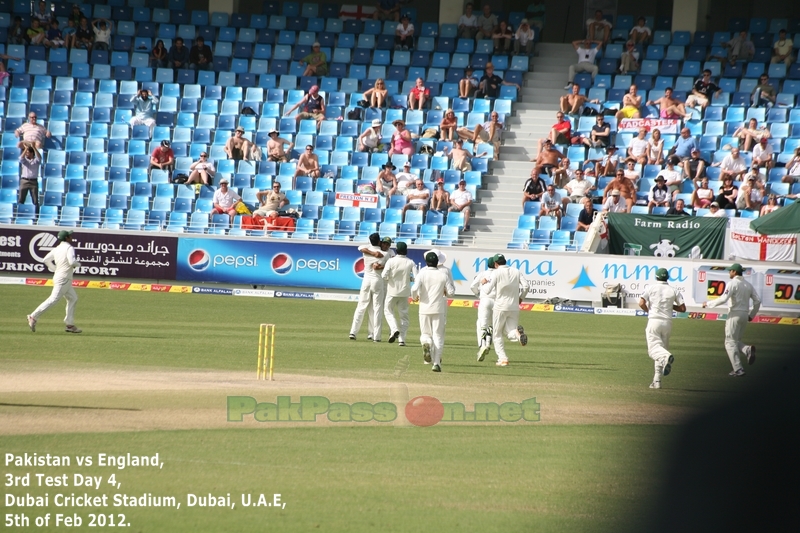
{"points": [[662, 236]]}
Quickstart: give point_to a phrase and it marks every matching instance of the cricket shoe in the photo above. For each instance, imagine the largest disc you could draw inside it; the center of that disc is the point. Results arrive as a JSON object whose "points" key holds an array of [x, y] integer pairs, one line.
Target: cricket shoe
{"points": [[751, 354], [32, 323], [426, 353], [401, 343], [501, 363], [523, 339], [352, 337], [668, 366], [369, 337], [483, 351], [655, 385], [73, 329], [737, 373], [436, 368], [394, 337]]}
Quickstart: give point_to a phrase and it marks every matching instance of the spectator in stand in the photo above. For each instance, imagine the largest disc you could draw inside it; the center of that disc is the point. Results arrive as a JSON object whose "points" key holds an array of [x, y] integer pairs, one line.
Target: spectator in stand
{"points": [[640, 34], [468, 23], [629, 60], [751, 195], [401, 140], [386, 184], [417, 199], [370, 138], [771, 205], [225, 200], [144, 109], [763, 155], [733, 166], [202, 170], [726, 199], [573, 102], [448, 126], [29, 162], [631, 174], [312, 106], [4, 75], [102, 33], [523, 39], [549, 157], [178, 54], [159, 55], [782, 49], [406, 179], [419, 95], [488, 132], [404, 34], [489, 85], [468, 84], [31, 133], [764, 95], [614, 203], [670, 107], [36, 34], [76, 14], [631, 102], [461, 202], [684, 145], [487, 22], [578, 188], [275, 146], [440, 200], [637, 149], [673, 173], [43, 15], [655, 148], [16, 33], [608, 165], [751, 133], [714, 211], [270, 201], [238, 147], [598, 28], [600, 135], [623, 187], [552, 204], [55, 38], [84, 35], [376, 95], [307, 165], [586, 59], [702, 91], [502, 37], [678, 209], [560, 133], [695, 167], [462, 159], [702, 195], [563, 174], [387, 10], [163, 158], [316, 62], [534, 188], [793, 168], [740, 48], [586, 216], [200, 56]]}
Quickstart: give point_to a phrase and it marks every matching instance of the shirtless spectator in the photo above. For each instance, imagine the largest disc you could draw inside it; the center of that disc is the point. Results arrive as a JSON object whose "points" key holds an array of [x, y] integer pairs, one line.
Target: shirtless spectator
{"points": [[462, 159], [669, 107], [488, 132], [600, 136], [238, 147], [598, 28], [637, 150], [564, 174], [573, 102], [31, 133], [586, 217], [307, 165], [549, 157], [640, 34], [461, 202], [275, 148], [418, 95], [440, 201], [270, 201], [417, 199], [702, 91], [623, 186], [631, 102], [312, 105], [534, 188], [608, 165]]}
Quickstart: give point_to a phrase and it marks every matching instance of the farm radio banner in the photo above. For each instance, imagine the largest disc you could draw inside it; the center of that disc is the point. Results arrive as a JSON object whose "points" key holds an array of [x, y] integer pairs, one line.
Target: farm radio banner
{"points": [[661, 236]]}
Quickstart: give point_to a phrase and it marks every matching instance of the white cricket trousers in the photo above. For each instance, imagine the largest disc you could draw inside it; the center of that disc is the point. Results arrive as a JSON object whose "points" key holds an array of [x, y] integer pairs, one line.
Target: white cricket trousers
{"points": [[734, 328], [485, 307], [431, 329], [657, 334], [60, 288], [400, 305], [583, 66], [370, 300], [505, 325]]}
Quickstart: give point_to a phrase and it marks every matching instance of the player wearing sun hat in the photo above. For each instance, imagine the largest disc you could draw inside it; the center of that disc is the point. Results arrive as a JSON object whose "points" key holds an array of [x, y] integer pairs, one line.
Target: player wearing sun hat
{"points": [[739, 292], [510, 289], [659, 301], [61, 260]]}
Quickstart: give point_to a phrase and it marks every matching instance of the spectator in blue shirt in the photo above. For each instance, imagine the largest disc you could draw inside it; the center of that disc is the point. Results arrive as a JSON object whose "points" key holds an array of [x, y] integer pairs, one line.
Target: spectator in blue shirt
{"points": [[178, 55], [684, 145]]}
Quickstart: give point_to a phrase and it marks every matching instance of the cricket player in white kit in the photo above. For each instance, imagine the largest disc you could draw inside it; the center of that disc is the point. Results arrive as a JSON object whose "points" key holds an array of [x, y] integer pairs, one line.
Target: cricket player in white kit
{"points": [[485, 308], [60, 260], [658, 301], [431, 289], [510, 289], [370, 298], [739, 293], [397, 274]]}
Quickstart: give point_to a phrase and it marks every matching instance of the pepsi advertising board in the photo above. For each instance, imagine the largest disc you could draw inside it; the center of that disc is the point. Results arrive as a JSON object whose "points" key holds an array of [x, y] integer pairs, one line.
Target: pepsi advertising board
{"points": [[276, 263]]}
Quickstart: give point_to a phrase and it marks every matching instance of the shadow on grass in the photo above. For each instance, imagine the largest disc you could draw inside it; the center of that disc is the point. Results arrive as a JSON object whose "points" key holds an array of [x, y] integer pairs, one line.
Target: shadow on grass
{"points": [[2, 404]]}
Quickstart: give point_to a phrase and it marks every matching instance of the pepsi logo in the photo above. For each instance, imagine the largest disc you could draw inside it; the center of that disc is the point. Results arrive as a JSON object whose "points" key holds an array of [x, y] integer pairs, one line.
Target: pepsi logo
{"points": [[282, 263], [358, 267], [199, 260]]}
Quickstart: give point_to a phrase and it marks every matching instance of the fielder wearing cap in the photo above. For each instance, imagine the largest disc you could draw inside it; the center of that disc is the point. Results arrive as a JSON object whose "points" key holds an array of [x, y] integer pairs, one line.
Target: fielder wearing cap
{"points": [[659, 301], [371, 296], [738, 294], [485, 308], [510, 289], [62, 262], [431, 289], [397, 275]]}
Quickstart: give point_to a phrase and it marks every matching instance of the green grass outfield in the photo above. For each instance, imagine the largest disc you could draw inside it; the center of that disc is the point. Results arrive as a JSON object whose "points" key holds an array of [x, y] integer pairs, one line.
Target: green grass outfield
{"points": [[590, 464]]}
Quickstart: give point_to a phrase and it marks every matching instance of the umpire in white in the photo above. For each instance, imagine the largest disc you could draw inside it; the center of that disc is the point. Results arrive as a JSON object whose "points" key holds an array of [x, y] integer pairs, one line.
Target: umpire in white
{"points": [[62, 261], [659, 301], [485, 308], [431, 289], [397, 273], [739, 292]]}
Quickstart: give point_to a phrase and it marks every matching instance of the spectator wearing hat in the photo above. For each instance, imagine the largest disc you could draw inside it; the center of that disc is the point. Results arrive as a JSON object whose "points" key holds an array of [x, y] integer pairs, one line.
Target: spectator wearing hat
{"points": [[163, 158], [401, 140], [144, 110], [418, 95], [370, 138], [316, 62], [714, 211], [431, 289], [678, 209], [404, 34], [468, 84], [615, 203], [763, 155], [417, 199], [468, 23], [386, 184], [440, 199], [275, 146], [238, 147], [62, 261], [523, 39], [307, 164], [405, 179], [200, 56], [225, 200], [608, 165], [376, 95], [270, 201], [534, 187], [461, 202], [751, 194], [658, 196], [552, 204], [312, 105], [202, 170]]}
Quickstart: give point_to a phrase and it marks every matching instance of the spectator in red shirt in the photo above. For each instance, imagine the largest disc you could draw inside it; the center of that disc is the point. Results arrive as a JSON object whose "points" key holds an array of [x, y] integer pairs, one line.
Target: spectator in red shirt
{"points": [[163, 157], [419, 95], [560, 133]]}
